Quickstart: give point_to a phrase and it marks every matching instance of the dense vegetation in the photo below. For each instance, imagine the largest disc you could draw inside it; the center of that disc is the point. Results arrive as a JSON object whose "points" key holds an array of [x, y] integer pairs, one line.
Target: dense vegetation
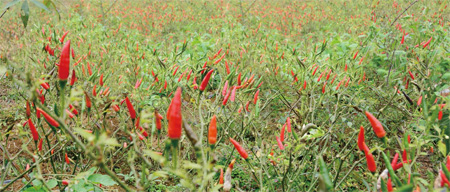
{"points": [[255, 95]]}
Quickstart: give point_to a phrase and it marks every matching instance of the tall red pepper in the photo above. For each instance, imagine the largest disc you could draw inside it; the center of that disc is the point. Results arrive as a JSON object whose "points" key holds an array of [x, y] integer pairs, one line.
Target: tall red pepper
{"points": [[174, 116], [212, 131], [33, 130], [371, 162], [376, 125], [64, 63], [130, 108], [239, 148], [206, 80], [255, 99], [47, 117]]}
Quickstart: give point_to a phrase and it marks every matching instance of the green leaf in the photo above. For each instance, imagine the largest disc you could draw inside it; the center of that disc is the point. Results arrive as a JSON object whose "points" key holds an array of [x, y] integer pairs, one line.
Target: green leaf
{"points": [[10, 4], [25, 14], [52, 183], [102, 179], [39, 4]]}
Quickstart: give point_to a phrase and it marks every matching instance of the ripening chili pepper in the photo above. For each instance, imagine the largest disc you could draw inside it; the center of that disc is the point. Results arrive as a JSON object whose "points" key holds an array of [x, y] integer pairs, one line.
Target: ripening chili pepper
{"points": [[409, 139], [74, 111], [247, 105], [88, 101], [69, 113], [282, 132], [233, 93], [94, 92], [288, 123], [419, 101], [255, 99], [403, 39], [73, 78], [227, 67], [314, 72], [101, 79], [225, 99], [404, 156], [221, 176], [225, 88], [73, 54], [67, 159], [174, 116], [239, 148], [158, 118], [280, 144], [345, 69], [28, 110], [361, 139], [65, 182], [371, 165], [212, 131], [206, 80], [428, 42], [239, 79], [389, 185], [130, 108], [45, 85], [47, 117], [324, 86], [444, 179], [64, 63], [394, 160], [175, 72], [116, 108], [376, 125], [356, 54], [33, 130], [440, 115], [40, 145], [411, 75], [63, 37], [304, 84]]}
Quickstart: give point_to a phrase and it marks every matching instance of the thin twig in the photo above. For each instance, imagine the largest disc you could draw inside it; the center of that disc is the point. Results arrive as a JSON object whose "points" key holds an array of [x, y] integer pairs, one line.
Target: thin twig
{"points": [[398, 16]]}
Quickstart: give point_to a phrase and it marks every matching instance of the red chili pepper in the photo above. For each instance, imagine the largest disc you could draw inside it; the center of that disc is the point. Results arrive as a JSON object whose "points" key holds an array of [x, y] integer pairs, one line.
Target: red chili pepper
{"points": [[324, 86], [403, 39], [239, 148], [361, 142], [428, 42], [394, 161], [389, 185], [405, 156], [40, 145], [356, 54], [246, 106], [314, 72], [63, 37], [288, 123], [33, 130], [88, 101], [94, 92], [158, 118], [130, 108], [371, 165], [233, 93], [282, 132], [440, 115], [64, 63], [69, 113], [411, 75], [409, 139], [28, 110], [174, 116], [116, 108], [74, 111], [67, 159], [304, 84], [65, 182], [444, 178], [221, 176], [280, 144], [419, 101], [212, 131], [101, 79], [255, 99], [239, 79], [74, 78], [49, 119], [225, 99], [225, 88], [206, 80], [376, 125]]}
